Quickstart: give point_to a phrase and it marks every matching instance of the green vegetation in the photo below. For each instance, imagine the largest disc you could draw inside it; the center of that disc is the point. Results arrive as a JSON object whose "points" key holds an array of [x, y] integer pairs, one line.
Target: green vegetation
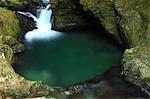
{"points": [[9, 24], [15, 2]]}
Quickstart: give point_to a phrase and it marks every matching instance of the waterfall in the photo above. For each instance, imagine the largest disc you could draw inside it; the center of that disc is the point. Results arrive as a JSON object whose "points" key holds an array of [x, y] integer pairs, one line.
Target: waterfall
{"points": [[43, 24], [46, 1]]}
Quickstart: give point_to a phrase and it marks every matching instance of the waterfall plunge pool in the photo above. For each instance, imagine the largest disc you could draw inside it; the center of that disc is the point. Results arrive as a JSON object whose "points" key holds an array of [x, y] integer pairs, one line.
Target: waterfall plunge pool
{"points": [[69, 59], [59, 58]]}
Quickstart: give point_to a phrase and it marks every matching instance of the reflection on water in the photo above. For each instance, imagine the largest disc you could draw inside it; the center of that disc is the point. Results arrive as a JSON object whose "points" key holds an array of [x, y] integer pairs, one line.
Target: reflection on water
{"points": [[70, 59]]}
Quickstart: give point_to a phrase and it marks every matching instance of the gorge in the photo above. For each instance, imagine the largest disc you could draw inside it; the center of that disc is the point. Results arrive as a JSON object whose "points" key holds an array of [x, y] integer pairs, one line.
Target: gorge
{"points": [[56, 56], [74, 49]]}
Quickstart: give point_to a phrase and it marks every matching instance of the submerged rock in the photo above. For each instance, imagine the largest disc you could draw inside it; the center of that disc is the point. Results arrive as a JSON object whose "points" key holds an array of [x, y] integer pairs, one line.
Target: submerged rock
{"points": [[9, 24]]}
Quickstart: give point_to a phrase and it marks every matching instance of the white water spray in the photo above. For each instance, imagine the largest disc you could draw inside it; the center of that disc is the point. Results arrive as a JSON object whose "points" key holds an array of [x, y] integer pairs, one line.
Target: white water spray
{"points": [[43, 24], [46, 1]]}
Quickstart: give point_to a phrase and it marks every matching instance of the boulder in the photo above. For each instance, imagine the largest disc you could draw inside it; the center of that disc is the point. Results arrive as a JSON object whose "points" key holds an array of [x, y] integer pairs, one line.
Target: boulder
{"points": [[9, 24]]}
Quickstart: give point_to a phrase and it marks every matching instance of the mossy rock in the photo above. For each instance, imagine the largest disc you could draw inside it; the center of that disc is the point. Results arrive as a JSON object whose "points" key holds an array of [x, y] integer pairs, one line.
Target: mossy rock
{"points": [[136, 62], [13, 43], [134, 21], [104, 11], [6, 53], [9, 24], [130, 21], [135, 27], [15, 2]]}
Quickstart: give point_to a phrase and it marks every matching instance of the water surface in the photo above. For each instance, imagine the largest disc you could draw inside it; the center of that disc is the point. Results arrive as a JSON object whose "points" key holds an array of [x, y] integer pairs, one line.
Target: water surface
{"points": [[69, 59]]}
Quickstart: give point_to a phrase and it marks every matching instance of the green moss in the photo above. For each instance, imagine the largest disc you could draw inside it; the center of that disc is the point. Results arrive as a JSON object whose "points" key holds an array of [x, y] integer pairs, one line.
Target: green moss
{"points": [[133, 20], [15, 2], [104, 11], [136, 62], [18, 1], [9, 24]]}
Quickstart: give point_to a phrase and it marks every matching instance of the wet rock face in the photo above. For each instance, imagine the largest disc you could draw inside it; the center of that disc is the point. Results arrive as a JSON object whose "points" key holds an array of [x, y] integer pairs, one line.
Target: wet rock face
{"points": [[67, 15], [130, 21], [26, 24]]}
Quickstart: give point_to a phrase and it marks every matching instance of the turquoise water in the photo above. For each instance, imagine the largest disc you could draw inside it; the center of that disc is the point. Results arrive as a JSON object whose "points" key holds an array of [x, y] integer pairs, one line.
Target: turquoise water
{"points": [[69, 59]]}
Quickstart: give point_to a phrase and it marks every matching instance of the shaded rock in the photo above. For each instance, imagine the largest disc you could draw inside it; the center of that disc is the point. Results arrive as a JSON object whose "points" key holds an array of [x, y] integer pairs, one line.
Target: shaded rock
{"points": [[104, 11], [9, 24], [20, 5], [26, 24], [110, 84], [14, 4], [67, 15]]}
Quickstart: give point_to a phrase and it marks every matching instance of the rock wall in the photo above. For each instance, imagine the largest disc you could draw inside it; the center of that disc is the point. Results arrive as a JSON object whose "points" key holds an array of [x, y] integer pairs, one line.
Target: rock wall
{"points": [[130, 21]]}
